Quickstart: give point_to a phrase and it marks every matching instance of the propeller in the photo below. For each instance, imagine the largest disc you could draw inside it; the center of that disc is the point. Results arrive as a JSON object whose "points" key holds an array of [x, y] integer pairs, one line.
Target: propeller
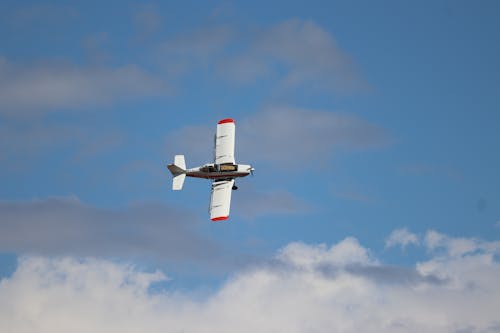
{"points": [[251, 170]]}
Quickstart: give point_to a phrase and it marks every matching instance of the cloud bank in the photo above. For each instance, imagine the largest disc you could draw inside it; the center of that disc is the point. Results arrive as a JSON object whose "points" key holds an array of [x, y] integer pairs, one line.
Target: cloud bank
{"points": [[62, 226], [303, 288]]}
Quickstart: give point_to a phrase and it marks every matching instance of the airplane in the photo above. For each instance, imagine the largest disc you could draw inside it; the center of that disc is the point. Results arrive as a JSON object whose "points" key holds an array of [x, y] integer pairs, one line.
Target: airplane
{"points": [[223, 171]]}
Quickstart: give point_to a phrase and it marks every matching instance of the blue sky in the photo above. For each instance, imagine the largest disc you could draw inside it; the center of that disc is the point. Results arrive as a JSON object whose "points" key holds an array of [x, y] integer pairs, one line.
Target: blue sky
{"points": [[365, 121]]}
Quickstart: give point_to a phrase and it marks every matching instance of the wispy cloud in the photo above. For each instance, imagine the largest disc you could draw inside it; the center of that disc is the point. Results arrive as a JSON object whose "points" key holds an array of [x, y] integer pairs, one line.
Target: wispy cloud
{"points": [[353, 195], [293, 53], [95, 45], [305, 288], [309, 53], [41, 14], [426, 169], [147, 18], [194, 50], [37, 89], [281, 134]]}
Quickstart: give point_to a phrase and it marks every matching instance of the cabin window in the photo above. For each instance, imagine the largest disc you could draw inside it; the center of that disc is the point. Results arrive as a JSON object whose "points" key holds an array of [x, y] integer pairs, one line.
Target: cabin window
{"points": [[208, 168], [228, 167]]}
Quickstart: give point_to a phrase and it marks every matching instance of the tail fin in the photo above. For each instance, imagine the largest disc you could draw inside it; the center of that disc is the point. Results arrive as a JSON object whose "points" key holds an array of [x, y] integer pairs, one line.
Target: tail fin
{"points": [[178, 170]]}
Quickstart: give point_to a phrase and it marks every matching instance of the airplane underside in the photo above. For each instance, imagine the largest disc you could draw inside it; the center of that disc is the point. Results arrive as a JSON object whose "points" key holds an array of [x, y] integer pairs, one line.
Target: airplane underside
{"points": [[216, 175], [223, 171]]}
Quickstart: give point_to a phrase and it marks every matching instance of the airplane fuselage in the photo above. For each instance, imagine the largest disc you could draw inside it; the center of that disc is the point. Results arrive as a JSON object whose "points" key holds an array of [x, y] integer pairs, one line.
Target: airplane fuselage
{"points": [[220, 171]]}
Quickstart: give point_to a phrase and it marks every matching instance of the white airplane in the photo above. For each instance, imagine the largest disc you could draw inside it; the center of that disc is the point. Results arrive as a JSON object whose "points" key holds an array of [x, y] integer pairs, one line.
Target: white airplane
{"points": [[223, 171]]}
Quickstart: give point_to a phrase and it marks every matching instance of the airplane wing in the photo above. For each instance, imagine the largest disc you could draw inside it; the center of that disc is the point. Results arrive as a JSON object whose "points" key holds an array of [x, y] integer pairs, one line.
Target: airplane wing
{"points": [[220, 199], [224, 142]]}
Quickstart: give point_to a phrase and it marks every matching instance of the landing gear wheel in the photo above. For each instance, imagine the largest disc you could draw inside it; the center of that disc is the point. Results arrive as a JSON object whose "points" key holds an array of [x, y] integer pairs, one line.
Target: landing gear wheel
{"points": [[234, 188]]}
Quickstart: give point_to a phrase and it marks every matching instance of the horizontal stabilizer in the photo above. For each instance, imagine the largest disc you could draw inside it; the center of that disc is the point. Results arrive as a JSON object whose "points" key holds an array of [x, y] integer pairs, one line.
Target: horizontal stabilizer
{"points": [[178, 181], [180, 162]]}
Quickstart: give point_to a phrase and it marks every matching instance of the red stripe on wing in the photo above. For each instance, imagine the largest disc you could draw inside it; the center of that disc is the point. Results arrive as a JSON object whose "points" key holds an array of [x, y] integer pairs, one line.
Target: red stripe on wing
{"points": [[220, 218], [227, 120]]}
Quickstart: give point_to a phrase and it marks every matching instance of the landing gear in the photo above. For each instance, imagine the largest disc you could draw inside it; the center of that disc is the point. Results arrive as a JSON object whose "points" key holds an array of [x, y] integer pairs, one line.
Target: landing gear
{"points": [[234, 188]]}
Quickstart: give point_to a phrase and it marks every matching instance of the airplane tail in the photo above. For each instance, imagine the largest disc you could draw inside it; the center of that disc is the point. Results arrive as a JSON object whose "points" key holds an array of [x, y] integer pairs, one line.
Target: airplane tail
{"points": [[178, 170]]}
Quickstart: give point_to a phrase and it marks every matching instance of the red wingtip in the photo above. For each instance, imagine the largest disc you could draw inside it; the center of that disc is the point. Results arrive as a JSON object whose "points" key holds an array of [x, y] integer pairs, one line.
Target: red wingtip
{"points": [[227, 120], [220, 218]]}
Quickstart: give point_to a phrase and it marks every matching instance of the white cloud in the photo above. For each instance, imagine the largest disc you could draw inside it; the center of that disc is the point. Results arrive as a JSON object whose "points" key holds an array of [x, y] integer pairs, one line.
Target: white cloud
{"points": [[280, 135], [37, 89], [346, 252], [456, 247], [306, 288], [401, 237]]}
